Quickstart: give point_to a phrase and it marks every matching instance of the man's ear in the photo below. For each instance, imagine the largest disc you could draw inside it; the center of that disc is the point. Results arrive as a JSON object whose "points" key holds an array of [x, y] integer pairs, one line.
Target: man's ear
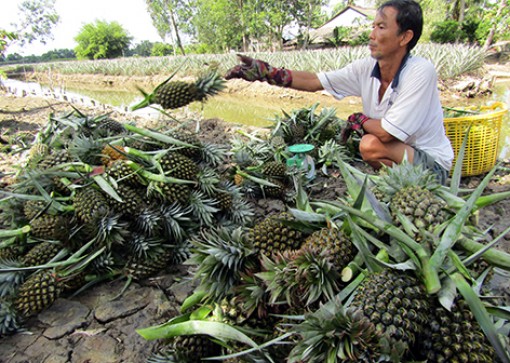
{"points": [[407, 36]]}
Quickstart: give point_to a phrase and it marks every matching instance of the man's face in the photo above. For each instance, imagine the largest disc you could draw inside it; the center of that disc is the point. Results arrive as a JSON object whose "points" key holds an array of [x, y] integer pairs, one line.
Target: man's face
{"points": [[385, 39]]}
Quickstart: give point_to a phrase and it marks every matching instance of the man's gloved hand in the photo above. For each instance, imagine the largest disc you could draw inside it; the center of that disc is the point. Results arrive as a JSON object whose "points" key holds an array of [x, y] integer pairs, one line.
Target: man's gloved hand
{"points": [[256, 70], [354, 124]]}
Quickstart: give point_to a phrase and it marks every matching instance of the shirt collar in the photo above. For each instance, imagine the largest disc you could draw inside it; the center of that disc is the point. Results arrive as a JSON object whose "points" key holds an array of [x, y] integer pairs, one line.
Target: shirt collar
{"points": [[376, 72]]}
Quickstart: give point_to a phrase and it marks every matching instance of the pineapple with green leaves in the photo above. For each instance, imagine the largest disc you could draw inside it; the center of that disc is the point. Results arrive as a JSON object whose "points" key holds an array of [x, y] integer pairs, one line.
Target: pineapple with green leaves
{"points": [[169, 192], [32, 208], [190, 138], [274, 168], [409, 190], [50, 227], [37, 152], [109, 127], [41, 253], [120, 171], [142, 265], [273, 235], [222, 258], [193, 348], [334, 331], [455, 336], [133, 202], [397, 303], [85, 149], [175, 94], [54, 158], [337, 244], [302, 278]]}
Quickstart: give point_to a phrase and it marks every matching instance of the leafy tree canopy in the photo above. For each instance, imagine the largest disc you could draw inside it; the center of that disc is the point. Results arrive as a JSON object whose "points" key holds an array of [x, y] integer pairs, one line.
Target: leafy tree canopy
{"points": [[101, 40], [38, 18]]}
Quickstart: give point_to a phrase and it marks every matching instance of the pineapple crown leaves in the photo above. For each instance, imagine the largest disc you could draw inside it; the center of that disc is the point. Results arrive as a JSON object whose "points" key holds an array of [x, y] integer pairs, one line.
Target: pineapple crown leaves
{"points": [[109, 230], [221, 255], [302, 277], [250, 147], [331, 151], [144, 246], [241, 213], [10, 281], [85, 149], [208, 179], [209, 83], [333, 331], [148, 221], [213, 154], [9, 321], [404, 175], [202, 207], [176, 220]]}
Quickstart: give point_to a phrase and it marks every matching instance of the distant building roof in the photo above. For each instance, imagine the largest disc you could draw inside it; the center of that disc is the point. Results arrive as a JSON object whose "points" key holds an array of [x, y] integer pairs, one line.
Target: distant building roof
{"points": [[349, 12], [350, 16]]}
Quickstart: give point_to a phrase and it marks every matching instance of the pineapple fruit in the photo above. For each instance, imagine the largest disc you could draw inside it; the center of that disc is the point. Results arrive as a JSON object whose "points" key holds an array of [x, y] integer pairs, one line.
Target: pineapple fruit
{"points": [[179, 166], [272, 235], [90, 204], [175, 94], [335, 331], [192, 348], [409, 190], [335, 242], [397, 304], [38, 292], [455, 336]]}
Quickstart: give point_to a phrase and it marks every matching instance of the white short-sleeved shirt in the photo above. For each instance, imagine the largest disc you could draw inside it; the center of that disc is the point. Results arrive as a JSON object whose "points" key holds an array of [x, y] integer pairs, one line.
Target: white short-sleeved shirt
{"points": [[410, 109]]}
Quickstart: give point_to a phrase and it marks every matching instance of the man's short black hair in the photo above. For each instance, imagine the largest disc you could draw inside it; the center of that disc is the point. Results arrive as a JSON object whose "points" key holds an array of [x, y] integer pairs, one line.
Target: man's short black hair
{"points": [[409, 17]]}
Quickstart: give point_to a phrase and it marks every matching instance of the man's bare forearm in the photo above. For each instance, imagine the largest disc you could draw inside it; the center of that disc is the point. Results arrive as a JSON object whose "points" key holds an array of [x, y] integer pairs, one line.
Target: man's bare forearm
{"points": [[306, 81], [373, 126]]}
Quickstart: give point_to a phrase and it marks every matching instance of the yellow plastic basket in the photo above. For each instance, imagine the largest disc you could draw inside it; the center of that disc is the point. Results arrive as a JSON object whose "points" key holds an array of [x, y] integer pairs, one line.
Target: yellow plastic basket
{"points": [[483, 140]]}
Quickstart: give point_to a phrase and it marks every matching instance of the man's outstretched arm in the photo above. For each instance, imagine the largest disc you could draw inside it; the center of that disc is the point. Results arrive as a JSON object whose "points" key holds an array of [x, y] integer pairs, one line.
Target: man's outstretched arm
{"points": [[252, 70]]}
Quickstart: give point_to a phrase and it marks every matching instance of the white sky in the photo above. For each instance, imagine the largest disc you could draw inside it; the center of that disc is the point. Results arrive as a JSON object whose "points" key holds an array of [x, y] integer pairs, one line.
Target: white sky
{"points": [[131, 14]]}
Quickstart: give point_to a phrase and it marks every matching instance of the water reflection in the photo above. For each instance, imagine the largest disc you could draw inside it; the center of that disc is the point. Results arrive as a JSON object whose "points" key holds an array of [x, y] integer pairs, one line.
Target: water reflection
{"points": [[254, 110]]}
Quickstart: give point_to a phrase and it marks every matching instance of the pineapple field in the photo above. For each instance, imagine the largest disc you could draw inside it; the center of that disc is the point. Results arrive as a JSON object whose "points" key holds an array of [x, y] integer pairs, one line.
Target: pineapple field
{"points": [[179, 239]]}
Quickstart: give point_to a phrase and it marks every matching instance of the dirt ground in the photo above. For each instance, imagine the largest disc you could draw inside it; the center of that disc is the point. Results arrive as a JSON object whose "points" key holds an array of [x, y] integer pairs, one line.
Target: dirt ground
{"points": [[96, 329]]}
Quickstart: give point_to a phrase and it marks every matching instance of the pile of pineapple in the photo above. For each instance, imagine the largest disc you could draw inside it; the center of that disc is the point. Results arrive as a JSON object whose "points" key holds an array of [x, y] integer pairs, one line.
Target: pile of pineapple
{"points": [[96, 199], [394, 271]]}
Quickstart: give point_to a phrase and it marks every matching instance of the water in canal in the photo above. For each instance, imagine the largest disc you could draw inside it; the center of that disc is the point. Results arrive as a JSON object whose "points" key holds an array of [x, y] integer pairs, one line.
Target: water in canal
{"points": [[257, 109]]}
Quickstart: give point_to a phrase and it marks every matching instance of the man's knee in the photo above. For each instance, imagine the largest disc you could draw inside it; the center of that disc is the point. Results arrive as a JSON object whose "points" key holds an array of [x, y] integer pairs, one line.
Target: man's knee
{"points": [[369, 146]]}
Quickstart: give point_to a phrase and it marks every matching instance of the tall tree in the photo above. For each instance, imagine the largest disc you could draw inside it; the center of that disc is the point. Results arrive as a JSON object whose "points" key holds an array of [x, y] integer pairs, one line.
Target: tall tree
{"points": [[37, 20], [219, 24], [308, 13], [498, 19], [170, 17], [102, 39]]}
